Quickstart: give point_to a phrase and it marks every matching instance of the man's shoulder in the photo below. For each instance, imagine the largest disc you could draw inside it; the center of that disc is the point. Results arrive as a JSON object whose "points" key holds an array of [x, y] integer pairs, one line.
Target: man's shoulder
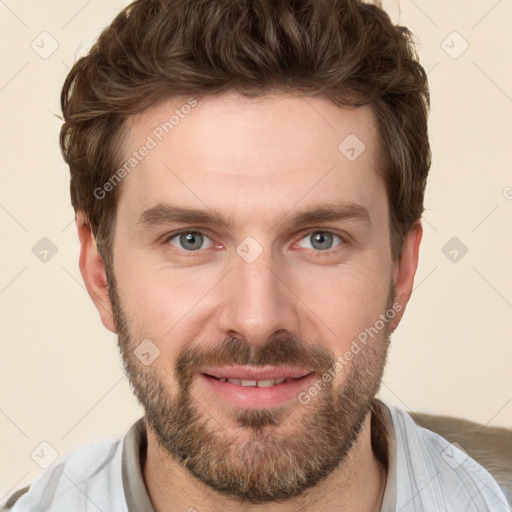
{"points": [[435, 452], [86, 474], [491, 447]]}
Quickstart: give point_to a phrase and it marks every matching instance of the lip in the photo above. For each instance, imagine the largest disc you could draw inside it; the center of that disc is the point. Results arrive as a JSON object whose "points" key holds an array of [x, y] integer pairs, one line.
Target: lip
{"points": [[249, 373], [251, 397]]}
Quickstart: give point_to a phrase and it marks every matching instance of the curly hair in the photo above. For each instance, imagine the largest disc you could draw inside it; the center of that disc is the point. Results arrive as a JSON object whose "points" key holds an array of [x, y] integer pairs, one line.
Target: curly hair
{"points": [[345, 50]]}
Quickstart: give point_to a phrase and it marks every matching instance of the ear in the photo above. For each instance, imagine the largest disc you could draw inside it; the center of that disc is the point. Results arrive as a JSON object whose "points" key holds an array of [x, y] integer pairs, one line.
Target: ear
{"points": [[405, 270], [93, 272]]}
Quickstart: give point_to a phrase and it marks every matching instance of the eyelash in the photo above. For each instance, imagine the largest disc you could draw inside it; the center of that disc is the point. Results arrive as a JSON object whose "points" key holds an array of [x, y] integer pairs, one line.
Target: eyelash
{"points": [[191, 254]]}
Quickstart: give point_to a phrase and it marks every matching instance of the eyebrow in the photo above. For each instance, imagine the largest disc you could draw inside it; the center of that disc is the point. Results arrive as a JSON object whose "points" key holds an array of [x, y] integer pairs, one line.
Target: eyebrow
{"points": [[162, 214]]}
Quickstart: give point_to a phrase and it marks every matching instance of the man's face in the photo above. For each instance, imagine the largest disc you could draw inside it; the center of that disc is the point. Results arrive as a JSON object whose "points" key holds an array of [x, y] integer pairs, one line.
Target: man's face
{"points": [[256, 290]]}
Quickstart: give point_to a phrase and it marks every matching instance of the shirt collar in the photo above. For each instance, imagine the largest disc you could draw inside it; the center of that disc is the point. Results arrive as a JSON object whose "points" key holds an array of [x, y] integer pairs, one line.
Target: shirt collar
{"points": [[134, 451], [382, 415]]}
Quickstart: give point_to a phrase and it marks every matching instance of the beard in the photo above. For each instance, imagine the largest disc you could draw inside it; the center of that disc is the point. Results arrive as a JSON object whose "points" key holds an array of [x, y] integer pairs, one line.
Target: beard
{"points": [[248, 456]]}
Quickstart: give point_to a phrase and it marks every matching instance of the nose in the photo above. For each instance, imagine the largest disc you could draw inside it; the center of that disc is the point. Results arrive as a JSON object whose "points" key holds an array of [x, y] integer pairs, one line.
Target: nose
{"points": [[258, 300]]}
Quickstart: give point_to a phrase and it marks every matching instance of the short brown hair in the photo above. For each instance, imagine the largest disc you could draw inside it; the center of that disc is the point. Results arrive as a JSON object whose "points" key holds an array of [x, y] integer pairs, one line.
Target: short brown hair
{"points": [[345, 50]]}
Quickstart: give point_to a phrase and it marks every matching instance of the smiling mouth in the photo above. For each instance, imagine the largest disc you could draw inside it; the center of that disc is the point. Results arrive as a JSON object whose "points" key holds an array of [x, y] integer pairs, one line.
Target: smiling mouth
{"points": [[251, 387], [264, 383]]}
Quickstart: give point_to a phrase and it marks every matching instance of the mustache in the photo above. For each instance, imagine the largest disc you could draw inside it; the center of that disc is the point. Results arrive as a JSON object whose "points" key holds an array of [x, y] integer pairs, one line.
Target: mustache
{"points": [[277, 351]]}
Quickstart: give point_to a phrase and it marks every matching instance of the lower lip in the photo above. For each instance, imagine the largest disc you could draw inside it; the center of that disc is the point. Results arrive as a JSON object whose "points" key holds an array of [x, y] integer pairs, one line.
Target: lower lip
{"points": [[252, 396]]}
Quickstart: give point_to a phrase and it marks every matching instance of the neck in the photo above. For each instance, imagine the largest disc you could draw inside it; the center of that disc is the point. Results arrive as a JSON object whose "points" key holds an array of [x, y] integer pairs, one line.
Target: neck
{"points": [[356, 484]]}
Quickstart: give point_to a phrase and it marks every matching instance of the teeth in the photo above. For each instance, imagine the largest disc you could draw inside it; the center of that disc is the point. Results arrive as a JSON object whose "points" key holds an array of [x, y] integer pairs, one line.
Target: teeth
{"points": [[269, 382], [255, 383], [266, 383]]}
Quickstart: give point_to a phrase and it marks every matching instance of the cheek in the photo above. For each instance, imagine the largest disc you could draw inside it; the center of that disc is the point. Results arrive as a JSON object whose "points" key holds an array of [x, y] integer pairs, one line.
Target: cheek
{"points": [[161, 304], [346, 299]]}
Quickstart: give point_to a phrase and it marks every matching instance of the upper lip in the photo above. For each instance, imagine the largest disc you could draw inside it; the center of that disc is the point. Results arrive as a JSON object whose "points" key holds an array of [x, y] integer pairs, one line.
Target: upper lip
{"points": [[248, 373]]}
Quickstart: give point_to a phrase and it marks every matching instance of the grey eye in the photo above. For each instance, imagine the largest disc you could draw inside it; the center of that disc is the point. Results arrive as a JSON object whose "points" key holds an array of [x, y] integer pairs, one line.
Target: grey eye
{"points": [[190, 240], [321, 240]]}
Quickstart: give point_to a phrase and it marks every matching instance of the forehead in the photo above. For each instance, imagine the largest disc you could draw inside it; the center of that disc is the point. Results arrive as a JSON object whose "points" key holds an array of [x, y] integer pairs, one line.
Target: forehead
{"points": [[228, 150]]}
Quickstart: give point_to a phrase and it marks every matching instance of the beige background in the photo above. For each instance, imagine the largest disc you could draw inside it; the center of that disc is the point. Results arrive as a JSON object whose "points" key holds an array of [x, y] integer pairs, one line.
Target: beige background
{"points": [[62, 381]]}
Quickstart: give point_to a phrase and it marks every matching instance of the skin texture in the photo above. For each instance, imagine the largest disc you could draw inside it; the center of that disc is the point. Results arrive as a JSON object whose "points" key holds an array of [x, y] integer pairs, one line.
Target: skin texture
{"points": [[302, 301]]}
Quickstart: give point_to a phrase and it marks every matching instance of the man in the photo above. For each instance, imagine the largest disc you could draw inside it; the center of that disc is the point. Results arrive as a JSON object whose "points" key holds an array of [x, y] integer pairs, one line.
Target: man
{"points": [[248, 181]]}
